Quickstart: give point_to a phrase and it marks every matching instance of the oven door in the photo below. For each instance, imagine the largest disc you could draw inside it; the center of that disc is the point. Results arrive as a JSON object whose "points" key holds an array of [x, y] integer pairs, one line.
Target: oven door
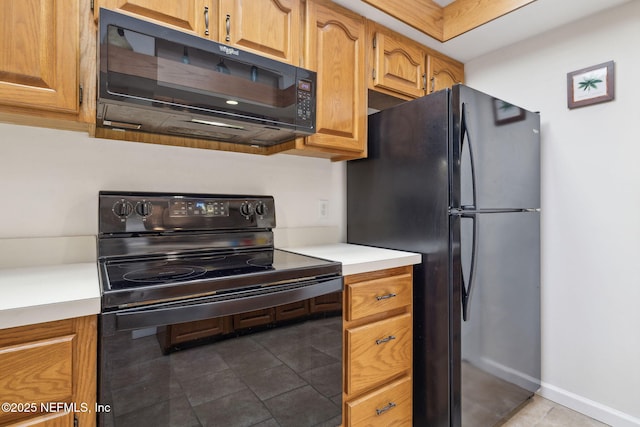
{"points": [[283, 374]]}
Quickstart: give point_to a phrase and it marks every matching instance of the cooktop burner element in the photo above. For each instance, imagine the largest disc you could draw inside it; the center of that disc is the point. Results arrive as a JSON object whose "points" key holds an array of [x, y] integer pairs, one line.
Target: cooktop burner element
{"points": [[164, 274], [155, 247]]}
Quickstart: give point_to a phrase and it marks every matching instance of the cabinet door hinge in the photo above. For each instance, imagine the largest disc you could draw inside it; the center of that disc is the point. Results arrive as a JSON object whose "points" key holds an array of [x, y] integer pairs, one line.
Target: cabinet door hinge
{"points": [[424, 82], [373, 74], [80, 94], [92, 4], [374, 42], [75, 422]]}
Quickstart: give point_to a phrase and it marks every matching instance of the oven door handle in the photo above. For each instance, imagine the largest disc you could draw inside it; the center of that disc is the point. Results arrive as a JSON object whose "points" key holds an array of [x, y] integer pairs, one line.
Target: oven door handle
{"points": [[217, 305]]}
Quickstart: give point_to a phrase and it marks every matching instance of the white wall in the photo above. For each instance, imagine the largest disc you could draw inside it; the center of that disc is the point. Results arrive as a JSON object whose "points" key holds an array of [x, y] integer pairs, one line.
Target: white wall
{"points": [[591, 208], [49, 180]]}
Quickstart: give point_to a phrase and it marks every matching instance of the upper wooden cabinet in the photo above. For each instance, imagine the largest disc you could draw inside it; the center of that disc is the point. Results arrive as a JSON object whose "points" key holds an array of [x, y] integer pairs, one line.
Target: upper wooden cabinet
{"points": [[443, 72], [268, 27], [195, 16], [334, 42], [39, 55], [403, 68], [396, 64]]}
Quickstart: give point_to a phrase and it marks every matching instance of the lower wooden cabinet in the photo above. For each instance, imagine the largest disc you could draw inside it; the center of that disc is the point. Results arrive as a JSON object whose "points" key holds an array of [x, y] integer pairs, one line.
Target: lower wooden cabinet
{"points": [[377, 351], [390, 405], [378, 348], [48, 373]]}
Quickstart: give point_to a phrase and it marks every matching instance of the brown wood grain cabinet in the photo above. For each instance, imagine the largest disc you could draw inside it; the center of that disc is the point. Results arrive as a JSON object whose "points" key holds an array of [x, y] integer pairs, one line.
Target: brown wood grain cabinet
{"points": [[268, 27], [443, 72], [378, 346], [396, 64], [405, 69], [334, 42], [40, 64], [49, 363]]}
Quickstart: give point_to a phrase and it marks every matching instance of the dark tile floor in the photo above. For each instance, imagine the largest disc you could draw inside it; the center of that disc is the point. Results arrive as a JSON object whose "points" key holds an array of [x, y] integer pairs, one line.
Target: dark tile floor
{"points": [[286, 376]]}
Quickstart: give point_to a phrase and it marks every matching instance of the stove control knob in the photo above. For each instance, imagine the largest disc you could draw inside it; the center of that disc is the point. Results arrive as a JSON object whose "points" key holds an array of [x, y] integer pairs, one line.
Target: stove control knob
{"points": [[122, 209], [144, 208], [261, 209], [246, 209]]}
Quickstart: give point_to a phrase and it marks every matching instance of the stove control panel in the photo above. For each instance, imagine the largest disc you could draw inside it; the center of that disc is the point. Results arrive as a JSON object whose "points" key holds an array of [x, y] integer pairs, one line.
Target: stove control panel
{"points": [[198, 208], [135, 212]]}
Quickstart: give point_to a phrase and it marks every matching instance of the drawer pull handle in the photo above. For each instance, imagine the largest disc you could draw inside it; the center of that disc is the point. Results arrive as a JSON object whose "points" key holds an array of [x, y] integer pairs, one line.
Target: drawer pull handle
{"points": [[381, 297], [384, 340], [381, 411]]}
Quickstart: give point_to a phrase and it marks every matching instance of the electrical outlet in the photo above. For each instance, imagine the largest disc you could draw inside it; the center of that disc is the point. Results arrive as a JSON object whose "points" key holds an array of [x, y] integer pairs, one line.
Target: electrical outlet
{"points": [[323, 209]]}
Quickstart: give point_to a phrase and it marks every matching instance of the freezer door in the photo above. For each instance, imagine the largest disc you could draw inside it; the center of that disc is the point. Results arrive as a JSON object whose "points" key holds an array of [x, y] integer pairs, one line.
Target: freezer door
{"points": [[495, 149], [497, 346]]}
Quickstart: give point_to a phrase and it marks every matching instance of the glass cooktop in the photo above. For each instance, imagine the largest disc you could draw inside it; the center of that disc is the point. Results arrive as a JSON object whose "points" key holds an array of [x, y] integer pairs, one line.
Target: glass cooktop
{"points": [[173, 270]]}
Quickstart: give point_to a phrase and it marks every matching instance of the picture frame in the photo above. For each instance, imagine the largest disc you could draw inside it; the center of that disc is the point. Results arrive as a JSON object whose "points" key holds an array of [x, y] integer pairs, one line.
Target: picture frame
{"points": [[591, 85], [504, 113]]}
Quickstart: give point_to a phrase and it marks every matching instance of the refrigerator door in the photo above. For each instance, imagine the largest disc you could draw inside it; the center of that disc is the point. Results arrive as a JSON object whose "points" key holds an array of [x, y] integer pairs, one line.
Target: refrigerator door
{"points": [[495, 153], [496, 364]]}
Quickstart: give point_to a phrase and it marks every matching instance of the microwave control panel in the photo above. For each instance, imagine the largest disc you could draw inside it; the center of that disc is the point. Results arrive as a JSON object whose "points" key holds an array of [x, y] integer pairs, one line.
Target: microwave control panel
{"points": [[306, 103]]}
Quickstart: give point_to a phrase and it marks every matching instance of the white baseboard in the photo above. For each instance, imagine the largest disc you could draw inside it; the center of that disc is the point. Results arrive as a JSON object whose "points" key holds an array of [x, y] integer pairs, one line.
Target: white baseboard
{"points": [[588, 407]]}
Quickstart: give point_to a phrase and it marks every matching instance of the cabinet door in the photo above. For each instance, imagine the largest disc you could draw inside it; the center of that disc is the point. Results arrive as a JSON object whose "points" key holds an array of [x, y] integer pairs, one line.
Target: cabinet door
{"points": [[334, 48], [49, 363], [398, 64], [195, 16], [268, 27], [39, 60], [444, 72]]}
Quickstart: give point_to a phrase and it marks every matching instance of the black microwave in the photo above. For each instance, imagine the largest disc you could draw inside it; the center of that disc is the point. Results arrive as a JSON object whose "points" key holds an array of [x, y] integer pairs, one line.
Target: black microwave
{"points": [[156, 79]]}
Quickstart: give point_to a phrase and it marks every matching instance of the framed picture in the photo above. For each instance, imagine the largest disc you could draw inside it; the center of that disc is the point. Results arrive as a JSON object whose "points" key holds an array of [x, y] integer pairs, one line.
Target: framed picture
{"points": [[504, 113], [590, 85]]}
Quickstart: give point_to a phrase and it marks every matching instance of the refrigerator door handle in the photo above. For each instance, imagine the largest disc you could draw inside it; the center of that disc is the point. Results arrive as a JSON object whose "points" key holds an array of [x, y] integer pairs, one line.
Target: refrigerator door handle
{"points": [[467, 288], [464, 135]]}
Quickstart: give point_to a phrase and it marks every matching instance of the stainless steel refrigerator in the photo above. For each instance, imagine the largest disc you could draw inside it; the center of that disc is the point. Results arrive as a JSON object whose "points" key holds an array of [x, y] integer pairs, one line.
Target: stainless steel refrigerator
{"points": [[455, 176]]}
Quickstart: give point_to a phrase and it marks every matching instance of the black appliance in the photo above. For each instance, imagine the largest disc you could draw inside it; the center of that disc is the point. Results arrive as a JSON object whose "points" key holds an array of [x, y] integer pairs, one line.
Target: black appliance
{"points": [[455, 176], [156, 79], [167, 259]]}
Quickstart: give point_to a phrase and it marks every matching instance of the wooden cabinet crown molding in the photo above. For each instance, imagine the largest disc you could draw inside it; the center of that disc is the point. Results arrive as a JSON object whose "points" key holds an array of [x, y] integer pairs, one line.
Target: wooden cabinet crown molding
{"points": [[445, 23]]}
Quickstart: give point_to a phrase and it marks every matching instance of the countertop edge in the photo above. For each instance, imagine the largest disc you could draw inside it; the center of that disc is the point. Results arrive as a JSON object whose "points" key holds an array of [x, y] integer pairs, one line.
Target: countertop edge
{"points": [[33, 315], [358, 259]]}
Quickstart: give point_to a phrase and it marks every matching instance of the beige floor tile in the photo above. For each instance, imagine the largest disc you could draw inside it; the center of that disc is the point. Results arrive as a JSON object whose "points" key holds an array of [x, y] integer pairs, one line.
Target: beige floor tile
{"points": [[540, 412]]}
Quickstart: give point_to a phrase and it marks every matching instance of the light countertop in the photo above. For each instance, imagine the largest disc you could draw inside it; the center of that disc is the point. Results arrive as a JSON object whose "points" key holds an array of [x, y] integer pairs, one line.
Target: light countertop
{"points": [[47, 279], [357, 258]]}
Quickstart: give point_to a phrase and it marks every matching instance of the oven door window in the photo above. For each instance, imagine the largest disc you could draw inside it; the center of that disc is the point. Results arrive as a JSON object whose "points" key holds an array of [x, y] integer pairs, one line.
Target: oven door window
{"points": [[275, 366]]}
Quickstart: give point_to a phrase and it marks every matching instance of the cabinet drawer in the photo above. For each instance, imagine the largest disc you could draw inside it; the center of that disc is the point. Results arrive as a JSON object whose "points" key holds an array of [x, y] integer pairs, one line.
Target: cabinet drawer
{"points": [[378, 351], [378, 295], [36, 372], [390, 405]]}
